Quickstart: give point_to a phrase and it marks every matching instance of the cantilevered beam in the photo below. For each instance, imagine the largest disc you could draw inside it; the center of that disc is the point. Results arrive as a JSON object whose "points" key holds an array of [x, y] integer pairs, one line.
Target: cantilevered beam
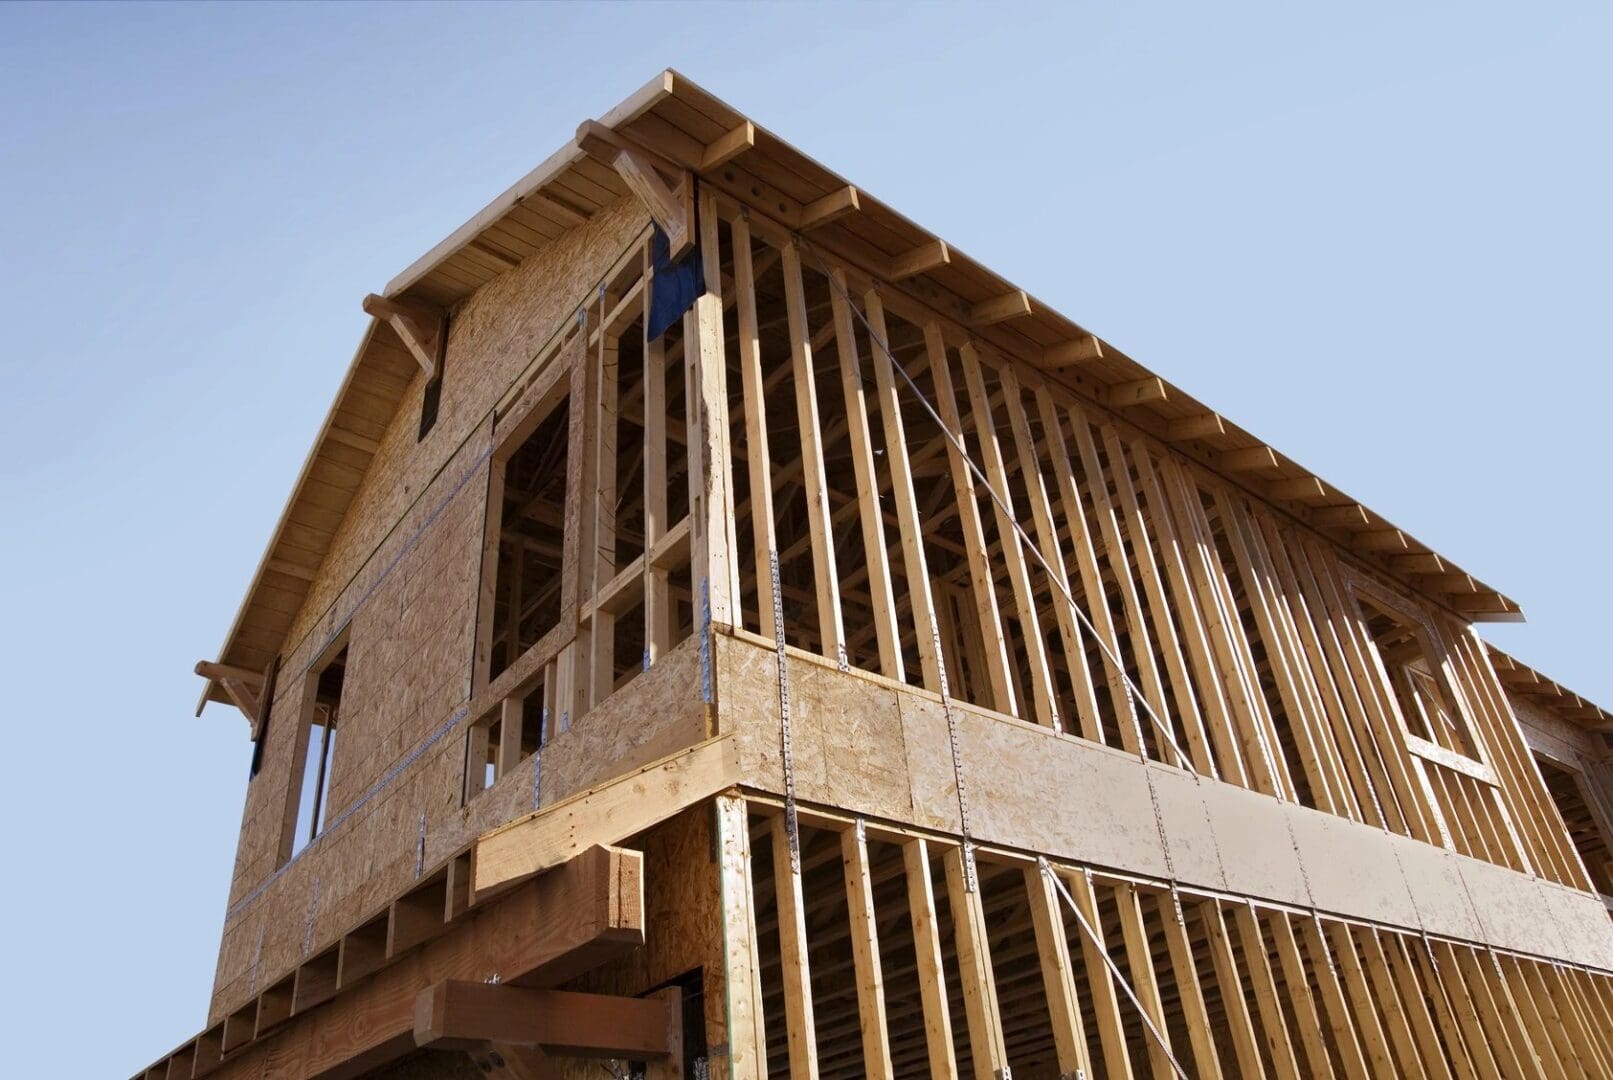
{"points": [[670, 204], [420, 328], [1010, 305], [1079, 351], [925, 257], [727, 147], [463, 1015], [242, 686]]}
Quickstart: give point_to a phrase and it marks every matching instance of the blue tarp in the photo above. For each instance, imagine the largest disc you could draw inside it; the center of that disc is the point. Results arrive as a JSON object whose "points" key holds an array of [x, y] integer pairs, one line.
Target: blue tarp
{"points": [[674, 286]]}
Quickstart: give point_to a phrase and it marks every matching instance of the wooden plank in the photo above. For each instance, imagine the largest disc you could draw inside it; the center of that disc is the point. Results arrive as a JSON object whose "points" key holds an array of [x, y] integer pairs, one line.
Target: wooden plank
{"points": [[831, 627], [916, 574], [605, 814], [1100, 980], [927, 949], [461, 1015], [1362, 1010], [659, 609], [974, 967], [711, 502], [1086, 559], [1267, 1000], [796, 967], [870, 515], [1391, 1007], [758, 458], [541, 934], [1047, 542], [1240, 1025], [1542, 1034], [1044, 701], [1466, 1059], [1058, 979], [1297, 992], [742, 962], [1144, 980], [1335, 1005], [984, 591], [1190, 991], [865, 954]]}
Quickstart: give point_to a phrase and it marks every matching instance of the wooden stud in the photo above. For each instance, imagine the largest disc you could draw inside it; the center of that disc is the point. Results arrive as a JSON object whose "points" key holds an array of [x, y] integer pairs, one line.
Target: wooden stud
{"points": [[862, 459], [984, 591], [1100, 980], [831, 628], [1058, 979], [974, 965], [927, 949], [1227, 979], [796, 970], [916, 573], [865, 954], [1044, 702], [742, 965], [1144, 981]]}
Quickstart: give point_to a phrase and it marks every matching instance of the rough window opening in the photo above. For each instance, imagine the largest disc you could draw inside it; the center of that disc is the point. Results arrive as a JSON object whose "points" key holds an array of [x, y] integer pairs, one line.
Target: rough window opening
{"points": [[1584, 828], [509, 736], [531, 530], [313, 799], [1414, 675]]}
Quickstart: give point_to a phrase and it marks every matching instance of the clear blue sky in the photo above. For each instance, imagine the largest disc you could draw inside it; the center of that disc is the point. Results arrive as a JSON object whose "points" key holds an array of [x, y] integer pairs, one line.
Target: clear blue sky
{"points": [[1377, 237]]}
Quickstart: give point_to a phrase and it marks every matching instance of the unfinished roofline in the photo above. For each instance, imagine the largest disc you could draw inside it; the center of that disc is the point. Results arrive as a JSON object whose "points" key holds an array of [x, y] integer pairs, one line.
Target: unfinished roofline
{"points": [[1469, 598], [1185, 424], [1562, 702]]}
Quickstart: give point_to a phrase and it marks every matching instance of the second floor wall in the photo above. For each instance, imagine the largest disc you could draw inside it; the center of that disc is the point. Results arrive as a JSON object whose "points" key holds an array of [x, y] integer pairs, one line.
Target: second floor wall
{"points": [[811, 458]]}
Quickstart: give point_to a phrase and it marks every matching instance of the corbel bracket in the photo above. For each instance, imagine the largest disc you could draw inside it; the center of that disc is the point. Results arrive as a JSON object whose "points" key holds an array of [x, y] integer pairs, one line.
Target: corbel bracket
{"points": [[671, 203], [243, 687], [422, 329]]}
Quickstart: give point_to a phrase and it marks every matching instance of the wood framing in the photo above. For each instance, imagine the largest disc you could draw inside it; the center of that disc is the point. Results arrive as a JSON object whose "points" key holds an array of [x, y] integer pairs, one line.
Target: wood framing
{"points": [[871, 673]]}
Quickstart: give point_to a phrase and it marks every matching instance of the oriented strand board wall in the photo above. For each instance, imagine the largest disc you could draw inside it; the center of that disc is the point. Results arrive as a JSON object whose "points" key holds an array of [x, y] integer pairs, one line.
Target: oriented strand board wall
{"points": [[403, 574]]}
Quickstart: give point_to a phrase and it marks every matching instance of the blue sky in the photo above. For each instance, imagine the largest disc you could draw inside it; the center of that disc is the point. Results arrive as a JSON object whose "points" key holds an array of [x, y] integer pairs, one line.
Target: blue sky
{"points": [[1377, 237]]}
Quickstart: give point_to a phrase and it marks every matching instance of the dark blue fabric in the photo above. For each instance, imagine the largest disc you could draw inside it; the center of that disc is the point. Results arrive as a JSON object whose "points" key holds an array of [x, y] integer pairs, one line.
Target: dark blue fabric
{"points": [[674, 286]]}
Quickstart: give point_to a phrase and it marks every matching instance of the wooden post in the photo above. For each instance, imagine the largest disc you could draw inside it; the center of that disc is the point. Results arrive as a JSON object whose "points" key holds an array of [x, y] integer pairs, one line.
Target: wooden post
{"points": [[1058, 980], [927, 949], [865, 954], [974, 966], [796, 969], [747, 1036]]}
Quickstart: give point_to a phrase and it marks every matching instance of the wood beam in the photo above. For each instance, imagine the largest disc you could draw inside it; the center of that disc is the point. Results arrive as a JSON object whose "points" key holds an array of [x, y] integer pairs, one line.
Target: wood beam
{"points": [[1082, 350], [422, 329], [670, 204], [831, 207], [919, 260], [1135, 392], [1010, 305], [725, 148], [462, 1015]]}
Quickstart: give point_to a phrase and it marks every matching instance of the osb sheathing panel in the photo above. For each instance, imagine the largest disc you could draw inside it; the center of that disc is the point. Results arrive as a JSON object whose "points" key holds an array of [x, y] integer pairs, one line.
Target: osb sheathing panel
{"points": [[1078, 801], [375, 854], [402, 576]]}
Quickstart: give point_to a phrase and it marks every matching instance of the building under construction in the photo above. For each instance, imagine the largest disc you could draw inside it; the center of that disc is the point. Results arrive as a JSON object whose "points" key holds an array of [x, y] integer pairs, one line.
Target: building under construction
{"points": [[782, 647]]}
